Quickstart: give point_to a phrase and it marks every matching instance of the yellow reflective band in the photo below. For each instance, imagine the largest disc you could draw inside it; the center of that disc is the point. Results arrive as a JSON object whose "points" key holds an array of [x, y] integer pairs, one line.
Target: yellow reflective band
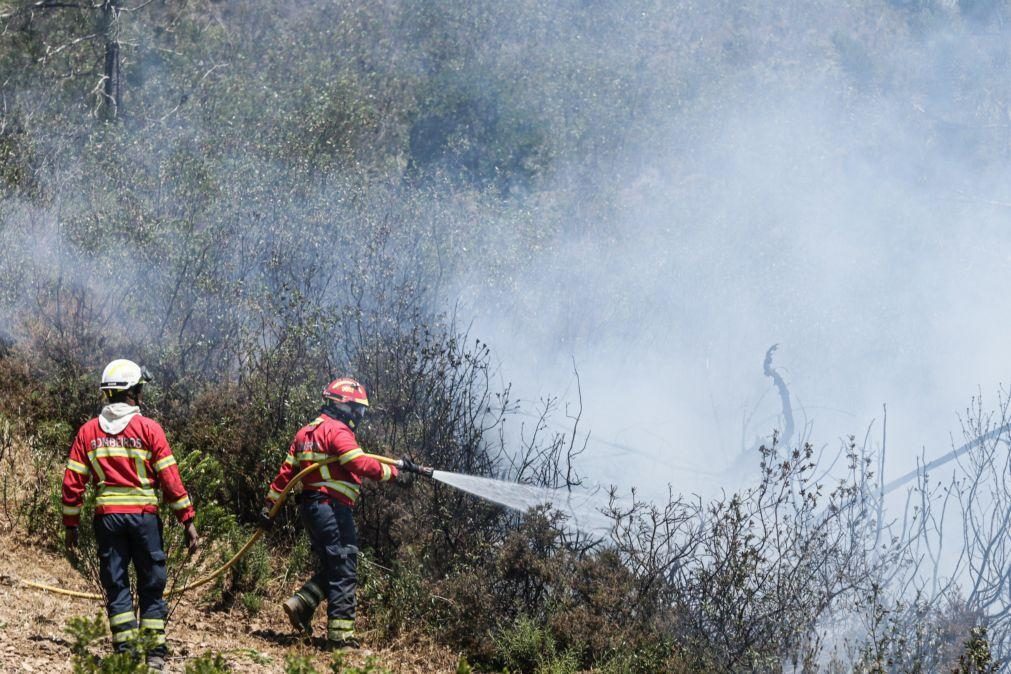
{"points": [[289, 460], [128, 452], [346, 488], [71, 510], [273, 494], [126, 496], [77, 467], [337, 633], [387, 473], [152, 624], [125, 491], [352, 455], [141, 466], [165, 463], [184, 502], [125, 635], [120, 618], [313, 457], [159, 638], [97, 467], [340, 624]]}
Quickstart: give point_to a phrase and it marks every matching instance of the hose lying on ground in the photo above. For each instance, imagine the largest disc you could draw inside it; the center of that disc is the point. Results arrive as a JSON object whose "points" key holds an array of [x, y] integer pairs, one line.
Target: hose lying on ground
{"points": [[296, 480]]}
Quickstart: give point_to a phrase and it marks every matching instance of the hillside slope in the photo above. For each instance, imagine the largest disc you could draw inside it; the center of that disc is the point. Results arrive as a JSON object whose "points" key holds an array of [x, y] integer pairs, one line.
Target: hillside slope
{"points": [[33, 636]]}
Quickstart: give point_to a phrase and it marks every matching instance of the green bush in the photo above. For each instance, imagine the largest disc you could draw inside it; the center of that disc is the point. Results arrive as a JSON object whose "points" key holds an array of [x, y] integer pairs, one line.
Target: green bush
{"points": [[249, 576], [208, 663], [526, 646], [85, 631], [300, 561], [976, 657], [660, 657], [252, 603], [299, 664], [396, 599], [338, 665]]}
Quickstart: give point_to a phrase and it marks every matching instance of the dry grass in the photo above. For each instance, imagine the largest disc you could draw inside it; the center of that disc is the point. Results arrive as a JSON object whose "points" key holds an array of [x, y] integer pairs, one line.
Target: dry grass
{"points": [[32, 636]]}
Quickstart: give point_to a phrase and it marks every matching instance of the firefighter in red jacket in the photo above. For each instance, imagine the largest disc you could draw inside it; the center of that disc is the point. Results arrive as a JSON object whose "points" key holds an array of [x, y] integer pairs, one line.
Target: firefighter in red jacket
{"points": [[325, 504], [127, 456]]}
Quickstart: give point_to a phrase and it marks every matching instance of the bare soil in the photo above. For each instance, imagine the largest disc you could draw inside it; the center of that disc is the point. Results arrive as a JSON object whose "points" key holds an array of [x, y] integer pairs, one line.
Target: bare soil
{"points": [[33, 623]]}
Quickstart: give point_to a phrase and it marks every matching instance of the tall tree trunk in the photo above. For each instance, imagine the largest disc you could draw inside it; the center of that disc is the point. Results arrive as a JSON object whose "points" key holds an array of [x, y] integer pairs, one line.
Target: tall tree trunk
{"points": [[111, 106]]}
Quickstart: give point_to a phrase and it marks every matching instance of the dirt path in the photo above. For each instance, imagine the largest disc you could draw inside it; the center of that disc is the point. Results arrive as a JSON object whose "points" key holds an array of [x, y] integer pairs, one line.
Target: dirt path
{"points": [[33, 636]]}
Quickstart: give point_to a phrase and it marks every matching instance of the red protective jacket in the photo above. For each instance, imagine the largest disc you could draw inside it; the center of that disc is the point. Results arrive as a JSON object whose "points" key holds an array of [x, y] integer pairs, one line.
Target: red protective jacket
{"points": [[341, 480], [126, 468]]}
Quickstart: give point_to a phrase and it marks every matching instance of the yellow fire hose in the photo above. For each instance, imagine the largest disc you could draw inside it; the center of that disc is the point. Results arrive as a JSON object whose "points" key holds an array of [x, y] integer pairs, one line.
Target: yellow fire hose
{"points": [[297, 479]]}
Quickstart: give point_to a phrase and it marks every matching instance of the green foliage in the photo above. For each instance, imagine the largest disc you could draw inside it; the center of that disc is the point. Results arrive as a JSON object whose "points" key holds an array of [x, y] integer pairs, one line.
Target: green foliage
{"points": [[298, 664], [252, 603], [18, 162], [644, 660], [84, 632], [398, 598], [30, 482], [300, 561], [118, 663], [976, 657], [338, 665], [208, 663], [463, 667], [248, 577], [526, 646]]}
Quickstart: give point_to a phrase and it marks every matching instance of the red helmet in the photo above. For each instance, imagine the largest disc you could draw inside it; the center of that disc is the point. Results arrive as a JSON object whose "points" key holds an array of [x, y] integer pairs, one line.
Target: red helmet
{"points": [[346, 390]]}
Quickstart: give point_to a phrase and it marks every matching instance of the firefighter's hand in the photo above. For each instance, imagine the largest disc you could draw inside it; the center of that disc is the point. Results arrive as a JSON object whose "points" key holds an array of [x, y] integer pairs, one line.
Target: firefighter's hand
{"points": [[70, 539], [408, 466], [265, 521], [192, 539], [403, 478]]}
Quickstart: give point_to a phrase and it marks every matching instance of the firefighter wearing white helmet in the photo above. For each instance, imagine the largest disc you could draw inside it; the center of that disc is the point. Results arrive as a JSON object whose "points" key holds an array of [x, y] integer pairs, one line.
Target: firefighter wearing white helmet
{"points": [[123, 375], [127, 456]]}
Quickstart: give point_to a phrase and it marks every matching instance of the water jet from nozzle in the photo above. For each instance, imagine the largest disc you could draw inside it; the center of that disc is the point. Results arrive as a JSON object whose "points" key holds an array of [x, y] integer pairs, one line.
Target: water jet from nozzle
{"points": [[584, 511]]}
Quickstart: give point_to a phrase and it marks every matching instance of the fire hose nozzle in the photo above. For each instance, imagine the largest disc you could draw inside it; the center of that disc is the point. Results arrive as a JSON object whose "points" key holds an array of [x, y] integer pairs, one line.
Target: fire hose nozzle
{"points": [[409, 466]]}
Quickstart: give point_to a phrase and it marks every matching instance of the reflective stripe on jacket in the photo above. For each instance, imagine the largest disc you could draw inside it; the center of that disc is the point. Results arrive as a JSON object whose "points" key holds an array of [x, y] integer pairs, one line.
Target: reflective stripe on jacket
{"points": [[126, 469], [341, 480]]}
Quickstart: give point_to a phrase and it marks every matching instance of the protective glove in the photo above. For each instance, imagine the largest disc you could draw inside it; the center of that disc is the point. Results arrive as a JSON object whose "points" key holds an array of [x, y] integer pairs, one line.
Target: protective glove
{"points": [[404, 478], [192, 539], [265, 521]]}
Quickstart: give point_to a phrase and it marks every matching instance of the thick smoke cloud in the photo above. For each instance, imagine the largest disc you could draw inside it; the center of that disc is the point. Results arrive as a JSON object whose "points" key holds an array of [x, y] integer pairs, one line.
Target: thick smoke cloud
{"points": [[855, 214]]}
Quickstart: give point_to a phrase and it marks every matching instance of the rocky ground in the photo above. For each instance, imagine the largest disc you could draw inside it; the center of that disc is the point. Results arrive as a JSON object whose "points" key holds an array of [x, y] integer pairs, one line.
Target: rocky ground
{"points": [[33, 635]]}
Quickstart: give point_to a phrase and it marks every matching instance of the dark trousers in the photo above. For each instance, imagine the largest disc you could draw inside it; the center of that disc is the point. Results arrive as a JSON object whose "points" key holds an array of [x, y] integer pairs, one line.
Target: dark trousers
{"points": [[136, 538], [334, 540]]}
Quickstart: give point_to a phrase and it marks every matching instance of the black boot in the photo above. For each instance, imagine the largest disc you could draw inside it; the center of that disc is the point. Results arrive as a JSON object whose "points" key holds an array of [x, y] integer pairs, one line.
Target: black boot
{"points": [[299, 612]]}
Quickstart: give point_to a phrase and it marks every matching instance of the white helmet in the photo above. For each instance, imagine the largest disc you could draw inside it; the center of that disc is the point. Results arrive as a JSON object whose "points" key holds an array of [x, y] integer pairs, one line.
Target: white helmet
{"points": [[122, 375]]}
